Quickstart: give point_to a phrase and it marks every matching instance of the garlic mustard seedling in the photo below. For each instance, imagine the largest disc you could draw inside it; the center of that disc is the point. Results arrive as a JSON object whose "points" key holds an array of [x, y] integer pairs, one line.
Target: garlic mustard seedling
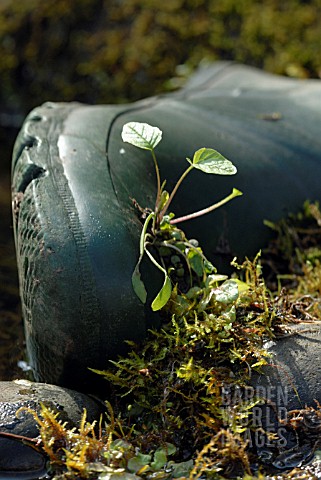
{"points": [[159, 228]]}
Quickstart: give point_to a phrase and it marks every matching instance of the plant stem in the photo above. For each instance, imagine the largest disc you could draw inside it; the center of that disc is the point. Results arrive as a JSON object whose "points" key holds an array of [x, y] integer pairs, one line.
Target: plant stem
{"points": [[235, 193], [143, 234], [19, 437], [162, 213], [158, 180], [155, 262]]}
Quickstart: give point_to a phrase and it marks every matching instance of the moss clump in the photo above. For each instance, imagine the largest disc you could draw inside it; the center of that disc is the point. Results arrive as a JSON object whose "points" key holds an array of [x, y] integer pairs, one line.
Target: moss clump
{"points": [[168, 391], [173, 382], [102, 50]]}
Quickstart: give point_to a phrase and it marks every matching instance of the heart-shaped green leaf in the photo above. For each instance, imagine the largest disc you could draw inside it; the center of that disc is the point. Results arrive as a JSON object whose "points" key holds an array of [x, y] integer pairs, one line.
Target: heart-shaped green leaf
{"points": [[211, 161], [141, 135], [160, 459], [163, 295], [136, 463], [227, 293], [182, 469]]}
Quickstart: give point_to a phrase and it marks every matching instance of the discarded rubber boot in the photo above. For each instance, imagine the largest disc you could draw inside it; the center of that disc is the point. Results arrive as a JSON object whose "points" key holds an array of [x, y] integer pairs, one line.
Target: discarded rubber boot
{"points": [[77, 232]]}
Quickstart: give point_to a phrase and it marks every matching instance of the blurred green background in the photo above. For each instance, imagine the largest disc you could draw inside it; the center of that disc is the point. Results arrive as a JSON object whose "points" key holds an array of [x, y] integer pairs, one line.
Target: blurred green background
{"points": [[120, 50], [110, 51]]}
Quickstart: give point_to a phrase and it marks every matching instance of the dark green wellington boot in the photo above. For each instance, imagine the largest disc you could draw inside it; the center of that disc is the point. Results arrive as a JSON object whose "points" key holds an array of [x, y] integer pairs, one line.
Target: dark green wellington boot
{"points": [[77, 232]]}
